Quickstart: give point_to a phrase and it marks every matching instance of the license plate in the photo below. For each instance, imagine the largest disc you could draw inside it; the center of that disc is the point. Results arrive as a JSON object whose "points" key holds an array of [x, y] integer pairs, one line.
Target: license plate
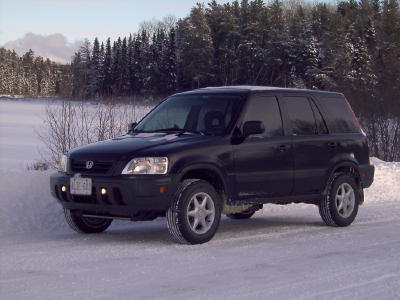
{"points": [[81, 186]]}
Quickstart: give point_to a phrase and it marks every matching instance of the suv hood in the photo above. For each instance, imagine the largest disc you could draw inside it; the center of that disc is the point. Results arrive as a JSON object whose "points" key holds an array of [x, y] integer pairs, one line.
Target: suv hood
{"points": [[126, 146]]}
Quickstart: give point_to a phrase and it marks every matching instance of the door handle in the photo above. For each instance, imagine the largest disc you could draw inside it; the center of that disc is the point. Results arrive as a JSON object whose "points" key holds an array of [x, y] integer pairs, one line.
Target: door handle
{"points": [[332, 145], [282, 148]]}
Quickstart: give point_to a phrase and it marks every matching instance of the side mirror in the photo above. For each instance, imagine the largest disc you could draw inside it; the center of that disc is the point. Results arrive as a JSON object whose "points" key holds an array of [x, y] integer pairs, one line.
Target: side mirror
{"points": [[253, 127], [131, 127]]}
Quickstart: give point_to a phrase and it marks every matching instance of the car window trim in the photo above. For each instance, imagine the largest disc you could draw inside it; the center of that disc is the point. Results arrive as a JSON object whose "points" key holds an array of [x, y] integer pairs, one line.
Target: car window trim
{"points": [[312, 100]]}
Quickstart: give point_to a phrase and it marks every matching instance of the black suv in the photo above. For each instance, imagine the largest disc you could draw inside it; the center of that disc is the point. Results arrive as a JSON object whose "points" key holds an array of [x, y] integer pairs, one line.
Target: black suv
{"points": [[216, 151]]}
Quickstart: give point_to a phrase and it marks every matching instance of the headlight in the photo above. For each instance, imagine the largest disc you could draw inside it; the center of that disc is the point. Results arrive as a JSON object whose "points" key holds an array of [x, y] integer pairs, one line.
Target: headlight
{"points": [[147, 165], [63, 163]]}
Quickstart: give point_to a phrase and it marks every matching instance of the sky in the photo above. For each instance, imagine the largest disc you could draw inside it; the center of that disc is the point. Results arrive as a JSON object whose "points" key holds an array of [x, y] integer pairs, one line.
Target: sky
{"points": [[78, 19]]}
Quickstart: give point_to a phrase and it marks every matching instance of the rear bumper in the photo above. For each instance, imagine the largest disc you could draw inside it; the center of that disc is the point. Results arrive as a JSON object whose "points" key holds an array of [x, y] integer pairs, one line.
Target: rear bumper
{"points": [[126, 196], [367, 175]]}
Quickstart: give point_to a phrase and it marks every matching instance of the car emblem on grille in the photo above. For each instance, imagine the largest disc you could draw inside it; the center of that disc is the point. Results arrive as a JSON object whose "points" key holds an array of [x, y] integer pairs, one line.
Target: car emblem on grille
{"points": [[89, 164]]}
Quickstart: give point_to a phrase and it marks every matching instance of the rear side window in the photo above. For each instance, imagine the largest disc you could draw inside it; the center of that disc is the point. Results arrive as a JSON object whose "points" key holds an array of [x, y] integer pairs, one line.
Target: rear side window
{"points": [[301, 115], [340, 114], [265, 109]]}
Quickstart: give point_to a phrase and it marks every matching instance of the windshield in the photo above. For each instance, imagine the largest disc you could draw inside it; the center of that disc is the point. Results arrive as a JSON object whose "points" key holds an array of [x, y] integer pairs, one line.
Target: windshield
{"points": [[205, 114]]}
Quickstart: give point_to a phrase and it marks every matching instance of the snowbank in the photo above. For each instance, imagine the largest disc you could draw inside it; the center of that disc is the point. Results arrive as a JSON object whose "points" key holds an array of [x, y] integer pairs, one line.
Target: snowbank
{"points": [[26, 205], [386, 186]]}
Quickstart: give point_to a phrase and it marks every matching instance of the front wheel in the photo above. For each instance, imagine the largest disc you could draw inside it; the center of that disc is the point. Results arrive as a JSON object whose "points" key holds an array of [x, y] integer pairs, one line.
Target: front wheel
{"points": [[86, 224], [195, 212], [340, 205]]}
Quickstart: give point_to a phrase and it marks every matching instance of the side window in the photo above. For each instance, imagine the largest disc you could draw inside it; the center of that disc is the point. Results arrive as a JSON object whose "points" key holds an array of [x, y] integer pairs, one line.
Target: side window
{"points": [[340, 114], [321, 126], [301, 115], [265, 109]]}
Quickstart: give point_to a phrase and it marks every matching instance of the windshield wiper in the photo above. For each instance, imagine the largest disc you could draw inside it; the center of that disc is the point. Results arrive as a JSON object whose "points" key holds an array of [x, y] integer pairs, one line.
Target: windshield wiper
{"points": [[179, 131], [192, 131]]}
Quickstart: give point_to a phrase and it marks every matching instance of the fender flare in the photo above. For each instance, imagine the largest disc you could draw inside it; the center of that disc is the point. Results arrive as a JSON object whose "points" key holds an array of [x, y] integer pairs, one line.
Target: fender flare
{"points": [[343, 163], [209, 167]]}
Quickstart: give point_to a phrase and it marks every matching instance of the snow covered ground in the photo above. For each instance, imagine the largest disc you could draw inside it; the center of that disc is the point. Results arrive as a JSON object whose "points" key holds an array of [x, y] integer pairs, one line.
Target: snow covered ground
{"points": [[283, 252], [19, 122], [22, 119]]}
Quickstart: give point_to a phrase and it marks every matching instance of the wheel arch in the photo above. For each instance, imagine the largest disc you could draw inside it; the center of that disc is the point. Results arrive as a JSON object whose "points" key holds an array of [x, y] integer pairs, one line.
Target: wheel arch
{"points": [[347, 166], [209, 173]]}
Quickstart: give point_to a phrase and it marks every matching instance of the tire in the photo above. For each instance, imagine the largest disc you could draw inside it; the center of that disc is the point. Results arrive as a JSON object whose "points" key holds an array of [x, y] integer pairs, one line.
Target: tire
{"points": [[85, 224], [340, 205], [247, 214], [188, 206]]}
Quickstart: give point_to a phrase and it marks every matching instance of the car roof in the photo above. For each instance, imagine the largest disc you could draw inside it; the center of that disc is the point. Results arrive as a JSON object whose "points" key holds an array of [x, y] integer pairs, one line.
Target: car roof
{"points": [[250, 88]]}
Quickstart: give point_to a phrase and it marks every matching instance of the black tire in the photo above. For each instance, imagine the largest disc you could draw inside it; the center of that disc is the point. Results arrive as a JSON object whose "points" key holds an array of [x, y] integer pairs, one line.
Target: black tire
{"points": [[330, 209], [178, 215], [86, 224], [247, 214]]}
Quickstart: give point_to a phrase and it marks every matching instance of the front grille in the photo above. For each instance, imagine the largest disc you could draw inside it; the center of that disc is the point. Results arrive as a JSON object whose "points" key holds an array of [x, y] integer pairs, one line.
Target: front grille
{"points": [[99, 166]]}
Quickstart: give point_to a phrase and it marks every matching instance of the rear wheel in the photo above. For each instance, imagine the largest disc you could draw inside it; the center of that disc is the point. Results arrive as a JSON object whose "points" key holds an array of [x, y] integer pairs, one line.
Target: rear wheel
{"points": [[195, 212], [340, 205], [247, 214], [86, 224]]}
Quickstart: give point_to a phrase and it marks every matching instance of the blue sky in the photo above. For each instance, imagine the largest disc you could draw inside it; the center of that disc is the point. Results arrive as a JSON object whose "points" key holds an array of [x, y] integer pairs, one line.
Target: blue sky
{"points": [[78, 19]]}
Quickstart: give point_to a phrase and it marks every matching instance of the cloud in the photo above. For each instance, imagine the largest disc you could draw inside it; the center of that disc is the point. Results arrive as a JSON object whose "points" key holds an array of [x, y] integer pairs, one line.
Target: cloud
{"points": [[54, 46]]}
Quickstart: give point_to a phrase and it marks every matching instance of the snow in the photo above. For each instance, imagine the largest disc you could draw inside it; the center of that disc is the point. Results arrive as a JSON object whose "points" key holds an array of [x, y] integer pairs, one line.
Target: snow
{"points": [[283, 252], [19, 122]]}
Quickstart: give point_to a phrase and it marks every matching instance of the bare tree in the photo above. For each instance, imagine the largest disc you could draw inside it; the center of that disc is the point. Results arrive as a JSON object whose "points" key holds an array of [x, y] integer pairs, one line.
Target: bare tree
{"points": [[72, 124], [383, 133], [153, 26]]}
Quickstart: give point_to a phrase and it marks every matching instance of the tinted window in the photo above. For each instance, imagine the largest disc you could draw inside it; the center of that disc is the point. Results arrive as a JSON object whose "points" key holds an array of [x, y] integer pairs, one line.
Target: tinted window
{"points": [[265, 109], [210, 114], [321, 126], [341, 116], [300, 114]]}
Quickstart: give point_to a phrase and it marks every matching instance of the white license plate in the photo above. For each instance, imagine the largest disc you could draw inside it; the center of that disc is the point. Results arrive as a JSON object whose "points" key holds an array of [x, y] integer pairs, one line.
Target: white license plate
{"points": [[81, 186]]}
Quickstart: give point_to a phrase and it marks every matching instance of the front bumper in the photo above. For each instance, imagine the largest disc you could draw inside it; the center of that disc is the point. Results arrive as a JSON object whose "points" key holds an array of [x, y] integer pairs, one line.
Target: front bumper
{"points": [[126, 195]]}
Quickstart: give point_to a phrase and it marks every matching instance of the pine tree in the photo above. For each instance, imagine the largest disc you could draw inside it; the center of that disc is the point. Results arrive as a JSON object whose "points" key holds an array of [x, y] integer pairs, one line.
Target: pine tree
{"points": [[86, 60], [124, 69], [195, 50], [116, 68], [131, 65], [168, 65], [107, 84], [95, 78], [77, 69]]}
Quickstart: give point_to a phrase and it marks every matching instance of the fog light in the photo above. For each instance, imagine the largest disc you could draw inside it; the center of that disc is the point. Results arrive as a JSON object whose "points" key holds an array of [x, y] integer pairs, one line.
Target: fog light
{"points": [[103, 191], [63, 188]]}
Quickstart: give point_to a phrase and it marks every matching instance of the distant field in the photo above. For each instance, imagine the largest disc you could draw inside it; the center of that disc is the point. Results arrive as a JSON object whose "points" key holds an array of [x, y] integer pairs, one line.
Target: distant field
{"points": [[20, 121]]}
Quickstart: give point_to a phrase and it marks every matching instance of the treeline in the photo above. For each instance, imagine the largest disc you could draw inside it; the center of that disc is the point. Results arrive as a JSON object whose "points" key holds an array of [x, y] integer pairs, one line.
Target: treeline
{"points": [[353, 47], [32, 76]]}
